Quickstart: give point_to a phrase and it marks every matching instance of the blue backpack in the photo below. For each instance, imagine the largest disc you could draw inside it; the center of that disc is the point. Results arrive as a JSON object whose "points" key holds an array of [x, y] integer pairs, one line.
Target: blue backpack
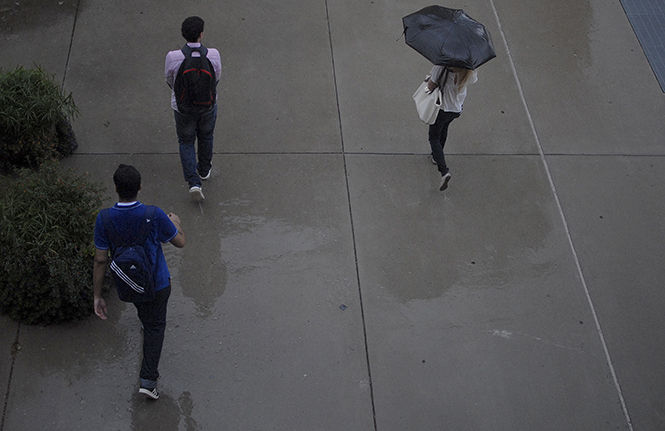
{"points": [[131, 267]]}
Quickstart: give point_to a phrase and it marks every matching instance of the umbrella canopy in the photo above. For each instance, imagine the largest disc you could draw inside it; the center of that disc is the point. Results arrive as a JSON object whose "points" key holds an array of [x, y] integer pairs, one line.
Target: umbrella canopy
{"points": [[448, 37]]}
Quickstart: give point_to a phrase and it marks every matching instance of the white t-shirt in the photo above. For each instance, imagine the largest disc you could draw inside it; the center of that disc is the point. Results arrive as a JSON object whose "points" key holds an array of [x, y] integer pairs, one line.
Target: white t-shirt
{"points": [[453, 96]]}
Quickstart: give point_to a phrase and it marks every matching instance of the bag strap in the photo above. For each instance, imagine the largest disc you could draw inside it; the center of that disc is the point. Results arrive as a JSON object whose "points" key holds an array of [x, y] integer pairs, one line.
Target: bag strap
{"points": [[445, 78], [187, 50]]}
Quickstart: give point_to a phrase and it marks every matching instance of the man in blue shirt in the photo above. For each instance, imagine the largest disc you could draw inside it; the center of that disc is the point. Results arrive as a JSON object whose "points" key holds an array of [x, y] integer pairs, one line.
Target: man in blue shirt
{"points": [[127, 217]]}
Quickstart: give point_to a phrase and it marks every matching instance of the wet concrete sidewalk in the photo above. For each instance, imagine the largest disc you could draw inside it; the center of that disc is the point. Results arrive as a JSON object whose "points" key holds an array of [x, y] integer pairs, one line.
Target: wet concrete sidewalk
{"points": [[327, 284]]}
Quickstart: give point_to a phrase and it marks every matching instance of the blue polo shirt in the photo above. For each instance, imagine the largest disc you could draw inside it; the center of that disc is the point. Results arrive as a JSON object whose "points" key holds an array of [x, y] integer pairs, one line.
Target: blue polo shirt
{"points": [[127, 220]]}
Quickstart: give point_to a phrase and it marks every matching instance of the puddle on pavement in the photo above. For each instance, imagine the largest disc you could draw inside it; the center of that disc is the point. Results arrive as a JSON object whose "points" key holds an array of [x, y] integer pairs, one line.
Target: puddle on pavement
{"points": [[164, 414], [483, 239], [258, 242], [198, 270]]}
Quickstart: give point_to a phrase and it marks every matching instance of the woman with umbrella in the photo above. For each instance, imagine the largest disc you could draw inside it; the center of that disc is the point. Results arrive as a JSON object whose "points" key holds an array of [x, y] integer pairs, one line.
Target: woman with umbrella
{"points": [[456, 44], [452, 82]]}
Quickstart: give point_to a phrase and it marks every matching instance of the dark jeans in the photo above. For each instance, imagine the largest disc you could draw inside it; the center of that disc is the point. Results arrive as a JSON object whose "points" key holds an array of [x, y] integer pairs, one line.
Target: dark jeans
{"points": [[438, 133], [153, 317], [189, 128]]}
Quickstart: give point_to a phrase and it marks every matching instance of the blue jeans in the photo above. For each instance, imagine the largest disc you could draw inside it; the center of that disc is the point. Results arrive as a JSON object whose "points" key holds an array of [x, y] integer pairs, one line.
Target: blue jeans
{"points": [[153, 318], [438, 133], [189, 128]]}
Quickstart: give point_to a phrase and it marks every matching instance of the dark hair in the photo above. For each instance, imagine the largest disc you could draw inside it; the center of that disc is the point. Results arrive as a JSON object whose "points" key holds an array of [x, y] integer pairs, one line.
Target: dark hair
{"points": [[192, 28], [127, 182]]}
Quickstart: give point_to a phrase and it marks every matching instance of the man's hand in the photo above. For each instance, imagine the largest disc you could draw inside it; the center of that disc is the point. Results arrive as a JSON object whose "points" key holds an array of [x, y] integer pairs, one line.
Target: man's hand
{"points": [[431, 85], [100, 307], [179, 239], [98, 270]]}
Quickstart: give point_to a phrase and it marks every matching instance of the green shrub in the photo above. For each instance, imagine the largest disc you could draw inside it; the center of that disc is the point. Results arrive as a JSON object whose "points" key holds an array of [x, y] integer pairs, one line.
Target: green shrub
{"points": [[35, 119], [46, 245]]}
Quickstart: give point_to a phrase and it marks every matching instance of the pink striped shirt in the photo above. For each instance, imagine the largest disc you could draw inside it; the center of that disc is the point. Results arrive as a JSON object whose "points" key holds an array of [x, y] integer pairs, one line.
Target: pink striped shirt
{"points": [[175, 58]]}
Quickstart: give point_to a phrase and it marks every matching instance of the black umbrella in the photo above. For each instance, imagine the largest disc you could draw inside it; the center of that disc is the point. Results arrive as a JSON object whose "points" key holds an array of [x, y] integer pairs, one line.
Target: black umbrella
{"points": [[448, 37]]}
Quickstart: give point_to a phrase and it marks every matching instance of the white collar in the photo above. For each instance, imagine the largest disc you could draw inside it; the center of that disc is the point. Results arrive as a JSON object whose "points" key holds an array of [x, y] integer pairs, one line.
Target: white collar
{"points": [[126, 204]]}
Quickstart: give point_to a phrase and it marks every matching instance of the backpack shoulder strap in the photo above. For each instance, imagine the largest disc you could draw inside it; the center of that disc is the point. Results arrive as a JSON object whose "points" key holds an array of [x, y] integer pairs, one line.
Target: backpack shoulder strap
{"points": [[186, 50]]}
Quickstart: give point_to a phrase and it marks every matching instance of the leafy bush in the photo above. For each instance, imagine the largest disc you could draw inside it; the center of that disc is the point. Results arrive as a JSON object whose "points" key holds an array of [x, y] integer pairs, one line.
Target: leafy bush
{"points": [[46, 245], [35, 119]]}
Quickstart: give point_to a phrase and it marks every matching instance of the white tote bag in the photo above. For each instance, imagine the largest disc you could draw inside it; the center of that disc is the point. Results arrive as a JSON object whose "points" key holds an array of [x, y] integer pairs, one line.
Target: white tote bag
{"points": [[427, 104]]}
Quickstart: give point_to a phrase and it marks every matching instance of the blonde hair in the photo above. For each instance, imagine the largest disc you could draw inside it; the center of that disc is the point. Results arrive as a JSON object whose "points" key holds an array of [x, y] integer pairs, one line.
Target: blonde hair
{"points": [[462, 76]]}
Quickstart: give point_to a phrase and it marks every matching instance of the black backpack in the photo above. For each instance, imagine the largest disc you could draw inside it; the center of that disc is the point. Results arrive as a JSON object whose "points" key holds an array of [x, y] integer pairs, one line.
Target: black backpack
{"points": [[195, 84], [132, 269]]}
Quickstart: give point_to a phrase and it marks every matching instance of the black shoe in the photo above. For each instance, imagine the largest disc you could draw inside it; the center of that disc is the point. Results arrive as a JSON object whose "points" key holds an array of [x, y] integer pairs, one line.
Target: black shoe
{"points": [[444, 181], [150, 393], [206, 176]]}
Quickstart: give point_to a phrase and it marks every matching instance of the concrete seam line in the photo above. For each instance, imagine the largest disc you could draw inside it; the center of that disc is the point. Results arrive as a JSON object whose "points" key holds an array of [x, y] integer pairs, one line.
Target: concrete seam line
{"points": [[578, 266], [10, 377], [353, 231], [71, 42], [367, 153]]}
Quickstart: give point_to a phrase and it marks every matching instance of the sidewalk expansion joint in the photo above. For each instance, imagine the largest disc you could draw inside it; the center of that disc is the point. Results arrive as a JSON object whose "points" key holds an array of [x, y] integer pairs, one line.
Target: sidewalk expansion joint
{"points": [[14, 351], [353, 232], [71, 42], [372, 153], [564, 221]]}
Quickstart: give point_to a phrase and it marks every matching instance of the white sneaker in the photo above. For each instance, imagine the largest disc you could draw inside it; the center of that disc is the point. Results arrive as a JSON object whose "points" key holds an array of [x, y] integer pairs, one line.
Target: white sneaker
{"points": [[151, 393], [196, 193], [431, 158], [444, 181]]}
